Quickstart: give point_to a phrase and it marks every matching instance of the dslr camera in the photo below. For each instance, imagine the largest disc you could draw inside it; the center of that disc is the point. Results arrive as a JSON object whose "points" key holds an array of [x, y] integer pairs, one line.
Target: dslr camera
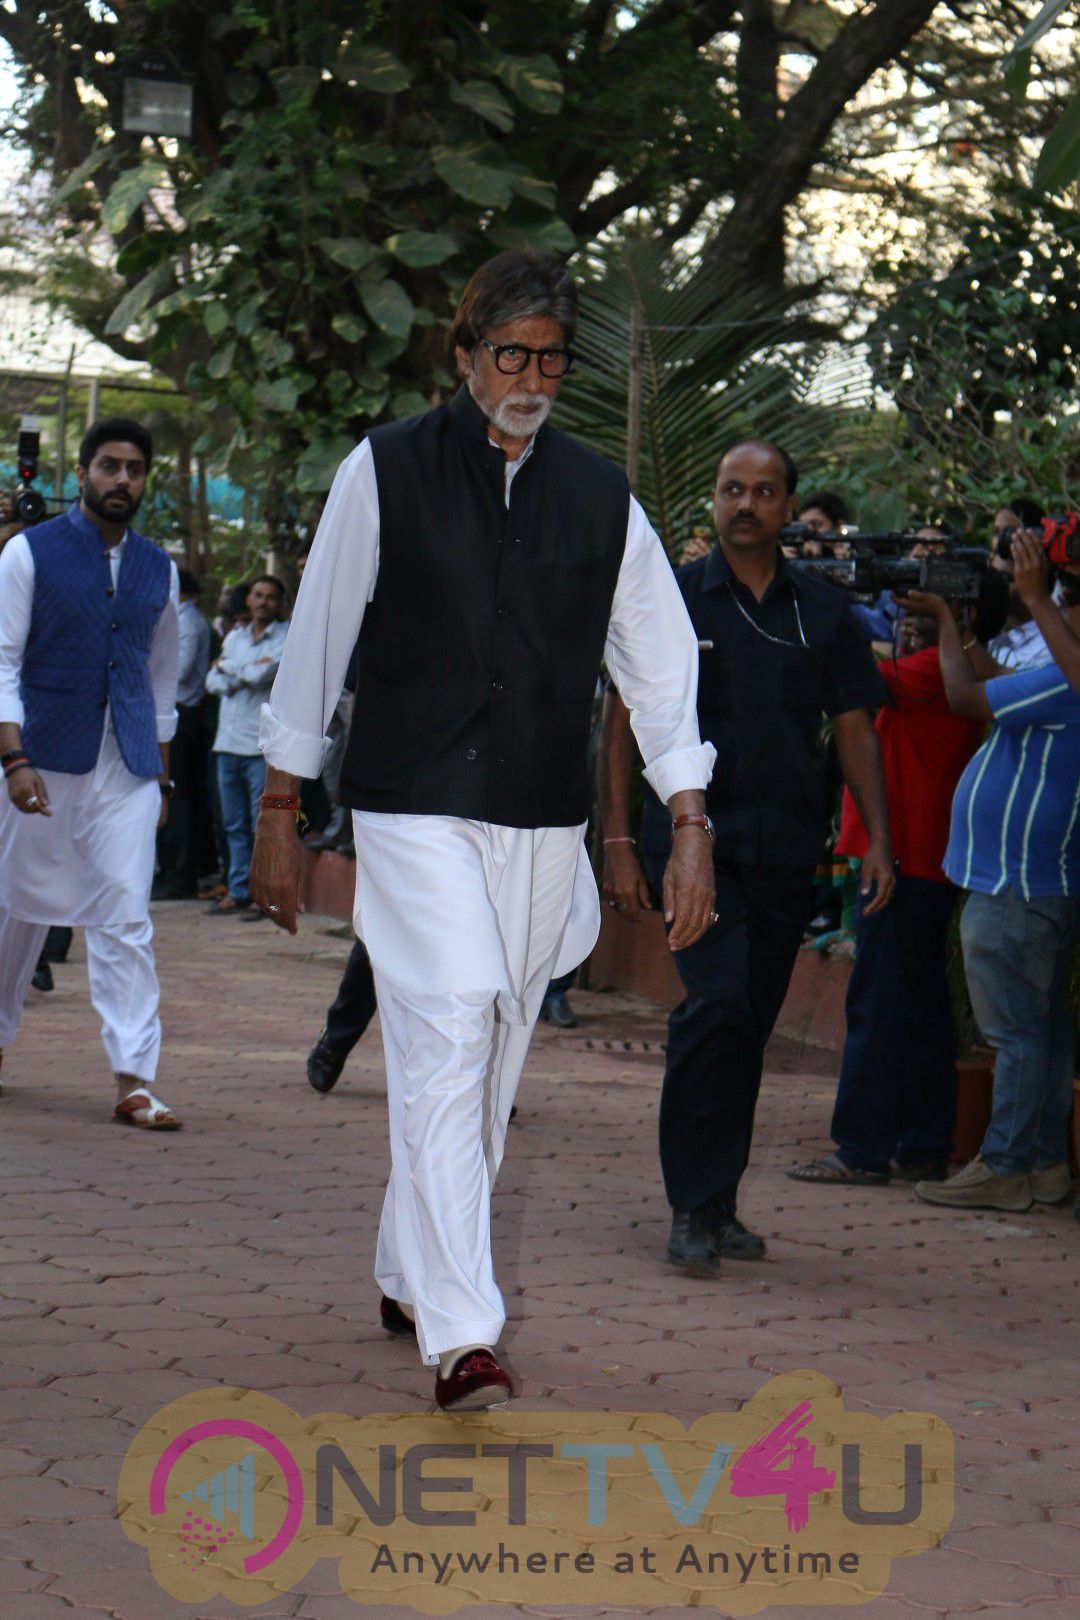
{"points": [[29, 503], [1060, 540]]}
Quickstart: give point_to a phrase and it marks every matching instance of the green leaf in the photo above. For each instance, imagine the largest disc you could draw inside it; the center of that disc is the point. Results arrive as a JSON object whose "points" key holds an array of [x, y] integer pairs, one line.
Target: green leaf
{"points": [[1059, 160], [271, 350], [135, 301], [469, 170], [277, 396], [546, 235], [220, 362], [383, 348], [485, 99], [419, 248], [349, 327], [215, 319], [320, 461], [534, 190], [389, 306], [143, 252], [128, 193], [79, 176], [1017, 73], [375, 154], [349, 251], [373, 68], [300, 82], [408, 403], [533, 79], [1041, 24]]}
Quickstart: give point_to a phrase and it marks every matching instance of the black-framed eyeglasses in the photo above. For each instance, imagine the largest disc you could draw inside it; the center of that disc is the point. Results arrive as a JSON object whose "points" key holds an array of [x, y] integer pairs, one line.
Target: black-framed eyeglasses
{"points": [[513, 358]]}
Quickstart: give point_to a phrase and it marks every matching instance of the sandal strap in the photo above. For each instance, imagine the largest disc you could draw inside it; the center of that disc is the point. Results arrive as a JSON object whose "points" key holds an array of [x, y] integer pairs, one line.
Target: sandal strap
{"points": [[153, 1105]]}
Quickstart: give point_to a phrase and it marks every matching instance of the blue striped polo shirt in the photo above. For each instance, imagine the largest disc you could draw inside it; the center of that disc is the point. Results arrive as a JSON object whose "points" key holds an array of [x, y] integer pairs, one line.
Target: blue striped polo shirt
{"points": [[1016, 810]]}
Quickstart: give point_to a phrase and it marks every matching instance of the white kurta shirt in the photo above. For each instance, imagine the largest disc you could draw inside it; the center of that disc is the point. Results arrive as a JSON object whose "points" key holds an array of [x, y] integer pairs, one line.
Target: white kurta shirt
{"points": [[428, 887], [91, 862]]}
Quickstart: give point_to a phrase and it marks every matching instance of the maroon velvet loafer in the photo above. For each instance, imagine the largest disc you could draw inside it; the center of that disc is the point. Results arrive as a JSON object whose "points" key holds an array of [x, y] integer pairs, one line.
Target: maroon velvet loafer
{"points": [[393, 1318], [475, 1383]]}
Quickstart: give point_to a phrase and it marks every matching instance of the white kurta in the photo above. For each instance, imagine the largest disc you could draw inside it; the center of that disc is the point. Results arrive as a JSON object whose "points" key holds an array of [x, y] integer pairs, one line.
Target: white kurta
{"points": [[466, 922], [91, 862], [425, 884]]}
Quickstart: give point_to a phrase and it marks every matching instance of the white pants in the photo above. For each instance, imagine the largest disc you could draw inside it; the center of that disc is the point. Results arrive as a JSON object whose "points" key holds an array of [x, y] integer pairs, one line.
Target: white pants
{"points": [[123, 988], [453, 1063]]}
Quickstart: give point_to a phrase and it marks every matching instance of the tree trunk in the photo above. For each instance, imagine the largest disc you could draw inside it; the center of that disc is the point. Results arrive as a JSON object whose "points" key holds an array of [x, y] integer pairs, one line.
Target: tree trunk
{"points": [[745, 245]]}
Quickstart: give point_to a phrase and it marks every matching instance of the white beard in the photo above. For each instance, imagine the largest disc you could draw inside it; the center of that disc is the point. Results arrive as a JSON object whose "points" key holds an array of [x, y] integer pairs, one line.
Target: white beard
{"points": [[507, 416]]}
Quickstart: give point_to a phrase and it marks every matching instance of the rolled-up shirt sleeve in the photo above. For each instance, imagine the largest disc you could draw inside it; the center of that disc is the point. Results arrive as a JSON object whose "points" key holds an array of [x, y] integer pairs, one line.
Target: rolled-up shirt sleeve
{"points": [[16, 606], [164, 662], [338, 583], [652, 654]]}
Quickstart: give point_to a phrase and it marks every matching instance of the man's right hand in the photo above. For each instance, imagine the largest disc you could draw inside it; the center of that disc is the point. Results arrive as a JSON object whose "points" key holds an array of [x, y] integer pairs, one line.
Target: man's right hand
{"points": [[28, 792], [625, 885], [275, 868]]}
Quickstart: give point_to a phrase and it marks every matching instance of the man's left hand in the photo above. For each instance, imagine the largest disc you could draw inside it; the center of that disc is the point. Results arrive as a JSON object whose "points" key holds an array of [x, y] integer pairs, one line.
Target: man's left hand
{"points": [[689, 887], [877, 871]]}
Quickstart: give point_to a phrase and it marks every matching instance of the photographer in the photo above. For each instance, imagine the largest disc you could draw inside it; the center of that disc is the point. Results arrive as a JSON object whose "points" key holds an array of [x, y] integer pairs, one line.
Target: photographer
{"points": [[1015, 846], [897, 1094]]}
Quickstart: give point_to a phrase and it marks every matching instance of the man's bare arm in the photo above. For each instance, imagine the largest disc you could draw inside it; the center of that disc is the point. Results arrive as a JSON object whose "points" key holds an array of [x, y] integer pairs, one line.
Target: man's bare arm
{"points": [[625, 885]]}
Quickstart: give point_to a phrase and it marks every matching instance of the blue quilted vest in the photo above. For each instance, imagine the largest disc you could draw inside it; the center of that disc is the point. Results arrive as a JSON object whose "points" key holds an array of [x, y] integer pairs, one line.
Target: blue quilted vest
{"points": [[88, 647]]}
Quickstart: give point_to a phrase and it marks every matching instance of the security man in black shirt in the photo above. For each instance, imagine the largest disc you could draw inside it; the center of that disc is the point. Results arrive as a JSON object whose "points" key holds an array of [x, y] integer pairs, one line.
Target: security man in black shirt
{"points": [[779, 648]]}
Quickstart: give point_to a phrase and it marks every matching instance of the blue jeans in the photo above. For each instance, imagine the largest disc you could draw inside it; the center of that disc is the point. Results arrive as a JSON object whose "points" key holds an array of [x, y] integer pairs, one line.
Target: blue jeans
{"points": [[897, 1093], [240, 782], [1017, 954]]}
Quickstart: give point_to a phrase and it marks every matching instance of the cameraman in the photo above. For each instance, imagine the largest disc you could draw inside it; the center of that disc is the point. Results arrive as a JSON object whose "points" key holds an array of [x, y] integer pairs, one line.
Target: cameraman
{"points": [[1015, 846], [896, 1099]]}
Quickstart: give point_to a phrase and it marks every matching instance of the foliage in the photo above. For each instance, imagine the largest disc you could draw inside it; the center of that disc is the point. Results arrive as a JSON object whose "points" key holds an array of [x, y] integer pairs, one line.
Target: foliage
{"points": [[714, 368], [983, 366]]}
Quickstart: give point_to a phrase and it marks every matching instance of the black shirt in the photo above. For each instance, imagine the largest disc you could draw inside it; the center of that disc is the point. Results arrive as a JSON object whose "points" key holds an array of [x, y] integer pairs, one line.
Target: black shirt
{"points": [[760, 703]]}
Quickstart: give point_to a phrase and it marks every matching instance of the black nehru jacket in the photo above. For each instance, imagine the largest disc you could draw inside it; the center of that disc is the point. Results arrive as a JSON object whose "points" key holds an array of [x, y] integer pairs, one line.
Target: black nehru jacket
{"points": [[478, 654]]}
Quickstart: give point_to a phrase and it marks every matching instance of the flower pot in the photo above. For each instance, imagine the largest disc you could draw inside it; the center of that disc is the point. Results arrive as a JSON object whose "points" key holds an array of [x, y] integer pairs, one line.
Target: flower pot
{"points": [[974, 1097]]}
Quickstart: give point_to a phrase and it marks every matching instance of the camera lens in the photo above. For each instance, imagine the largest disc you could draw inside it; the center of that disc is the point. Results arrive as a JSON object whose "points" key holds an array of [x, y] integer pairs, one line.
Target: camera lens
{"points": [[29, 506]]}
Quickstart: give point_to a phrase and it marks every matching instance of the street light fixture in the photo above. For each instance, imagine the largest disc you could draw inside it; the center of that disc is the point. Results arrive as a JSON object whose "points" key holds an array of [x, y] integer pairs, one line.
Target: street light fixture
{"points": [[156, 99]]}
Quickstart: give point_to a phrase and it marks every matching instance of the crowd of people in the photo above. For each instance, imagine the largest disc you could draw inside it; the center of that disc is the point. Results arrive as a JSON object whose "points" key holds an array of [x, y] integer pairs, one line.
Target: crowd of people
{"points": [[429, 701]]}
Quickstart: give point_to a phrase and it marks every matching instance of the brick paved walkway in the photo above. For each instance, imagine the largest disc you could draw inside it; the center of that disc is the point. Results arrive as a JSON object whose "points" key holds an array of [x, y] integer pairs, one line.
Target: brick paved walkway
{"points": [[138, 1268]]}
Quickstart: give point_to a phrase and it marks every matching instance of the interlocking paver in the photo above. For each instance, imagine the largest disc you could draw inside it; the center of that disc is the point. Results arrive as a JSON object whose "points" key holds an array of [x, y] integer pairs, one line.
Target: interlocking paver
{"points": [[240, 1251]]}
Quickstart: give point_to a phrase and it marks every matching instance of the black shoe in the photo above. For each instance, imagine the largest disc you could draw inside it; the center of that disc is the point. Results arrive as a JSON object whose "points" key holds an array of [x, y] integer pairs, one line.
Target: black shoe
{"points": [[693, 1243], [393, 1318], [324, 1065], [557, 1010], [171, 891], [733, 1239], [922, 1170], [43, 979]]}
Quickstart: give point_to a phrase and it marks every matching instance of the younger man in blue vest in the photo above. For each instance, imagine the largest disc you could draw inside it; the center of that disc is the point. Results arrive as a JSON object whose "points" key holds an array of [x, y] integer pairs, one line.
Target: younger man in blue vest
{"points": [[88, 668]]}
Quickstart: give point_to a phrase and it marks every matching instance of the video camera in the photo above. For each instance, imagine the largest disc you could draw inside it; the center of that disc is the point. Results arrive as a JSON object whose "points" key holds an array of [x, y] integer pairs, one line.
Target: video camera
{"points": [[1060, 539], [879, 562], [29, 505]]}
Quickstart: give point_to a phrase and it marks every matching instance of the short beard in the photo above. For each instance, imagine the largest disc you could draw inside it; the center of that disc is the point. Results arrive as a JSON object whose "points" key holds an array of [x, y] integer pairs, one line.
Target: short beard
{"points": [[508, 419], [96, 504]]}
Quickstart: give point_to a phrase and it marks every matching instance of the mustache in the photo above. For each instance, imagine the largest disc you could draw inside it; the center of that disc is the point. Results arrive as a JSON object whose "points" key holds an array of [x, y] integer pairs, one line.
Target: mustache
{"points": [[746, 517]]}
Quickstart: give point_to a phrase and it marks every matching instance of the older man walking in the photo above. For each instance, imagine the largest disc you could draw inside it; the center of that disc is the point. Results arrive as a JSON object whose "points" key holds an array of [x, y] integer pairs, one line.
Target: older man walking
{"points": [[483, 563]]}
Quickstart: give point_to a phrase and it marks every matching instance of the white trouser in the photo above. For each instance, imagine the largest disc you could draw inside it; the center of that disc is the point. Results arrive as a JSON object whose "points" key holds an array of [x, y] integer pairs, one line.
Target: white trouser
{"points": [[452, 1072], [123, 988]]}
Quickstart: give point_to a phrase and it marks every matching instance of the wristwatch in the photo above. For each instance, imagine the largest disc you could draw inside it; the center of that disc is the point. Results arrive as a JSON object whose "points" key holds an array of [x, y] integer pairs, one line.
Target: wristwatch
{"points": [[695, 821]]}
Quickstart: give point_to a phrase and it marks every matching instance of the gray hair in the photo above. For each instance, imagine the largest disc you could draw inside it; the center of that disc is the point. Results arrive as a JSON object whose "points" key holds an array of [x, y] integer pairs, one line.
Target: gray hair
{"points": [[512, 287]]}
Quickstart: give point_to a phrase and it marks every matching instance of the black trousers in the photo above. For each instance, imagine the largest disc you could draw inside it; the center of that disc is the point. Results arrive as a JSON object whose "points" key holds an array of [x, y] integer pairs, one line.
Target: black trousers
{"points": [[181, 838], [897, 1093], [354, 1006], [736, 978]]}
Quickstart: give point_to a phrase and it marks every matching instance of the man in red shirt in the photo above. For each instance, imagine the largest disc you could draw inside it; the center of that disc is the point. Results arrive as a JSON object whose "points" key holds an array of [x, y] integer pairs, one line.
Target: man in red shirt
{"points": [[897, 1096]]}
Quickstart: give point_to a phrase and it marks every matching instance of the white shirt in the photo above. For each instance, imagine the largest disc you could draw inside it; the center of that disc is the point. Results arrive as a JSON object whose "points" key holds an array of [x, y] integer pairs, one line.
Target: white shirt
{"points": [[16, 609], [651, 647], [241, 677]]}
